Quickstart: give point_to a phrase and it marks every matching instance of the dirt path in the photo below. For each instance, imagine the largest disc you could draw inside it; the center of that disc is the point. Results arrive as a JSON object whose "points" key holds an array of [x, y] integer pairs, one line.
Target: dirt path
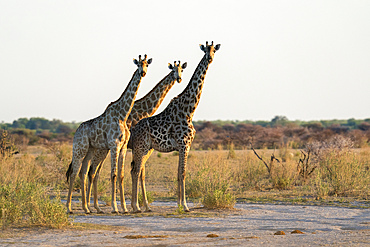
{"points": [[249, 224]]}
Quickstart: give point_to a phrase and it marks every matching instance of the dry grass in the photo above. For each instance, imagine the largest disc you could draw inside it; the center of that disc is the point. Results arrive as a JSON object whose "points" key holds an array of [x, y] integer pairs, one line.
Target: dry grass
{"points": [[243, 176]]}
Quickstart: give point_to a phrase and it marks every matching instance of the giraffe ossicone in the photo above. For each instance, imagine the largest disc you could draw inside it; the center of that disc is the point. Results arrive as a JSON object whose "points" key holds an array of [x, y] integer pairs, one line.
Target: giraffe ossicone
{"points": [[170, 130]]}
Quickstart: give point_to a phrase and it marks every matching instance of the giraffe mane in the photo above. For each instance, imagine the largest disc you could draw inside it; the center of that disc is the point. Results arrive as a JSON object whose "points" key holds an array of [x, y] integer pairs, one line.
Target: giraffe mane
{"points": [[191, 79], [153, 89], [113, 102]]}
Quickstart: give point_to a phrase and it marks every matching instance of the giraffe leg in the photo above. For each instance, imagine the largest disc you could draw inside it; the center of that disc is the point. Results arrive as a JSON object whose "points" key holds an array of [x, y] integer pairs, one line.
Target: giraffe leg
{"points": [[183, 157], [114, 160], [135, 173], [138, 170], [75, 165], [91, 176], [142, 179], [96, 164], [96, 179], [80, 148], [121, 166], [83, 176]]}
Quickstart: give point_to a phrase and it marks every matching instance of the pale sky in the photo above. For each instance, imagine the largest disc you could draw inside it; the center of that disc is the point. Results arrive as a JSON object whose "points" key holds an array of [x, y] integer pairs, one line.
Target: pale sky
{"points": [[306, 60]]}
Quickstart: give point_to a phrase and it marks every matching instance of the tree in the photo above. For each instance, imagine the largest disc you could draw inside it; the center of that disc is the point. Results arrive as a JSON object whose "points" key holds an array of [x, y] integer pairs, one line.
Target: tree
{"points": [[279, 121]]}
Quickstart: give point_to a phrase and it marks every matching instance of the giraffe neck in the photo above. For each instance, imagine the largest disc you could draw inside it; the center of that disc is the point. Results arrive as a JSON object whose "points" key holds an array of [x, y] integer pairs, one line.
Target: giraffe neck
{"points": [[122, 106], [188, 100], [148, 105]]}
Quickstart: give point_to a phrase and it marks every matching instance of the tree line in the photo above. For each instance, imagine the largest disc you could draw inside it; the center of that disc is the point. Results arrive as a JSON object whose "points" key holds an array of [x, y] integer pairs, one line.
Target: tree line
{"points": [[218, 134]]}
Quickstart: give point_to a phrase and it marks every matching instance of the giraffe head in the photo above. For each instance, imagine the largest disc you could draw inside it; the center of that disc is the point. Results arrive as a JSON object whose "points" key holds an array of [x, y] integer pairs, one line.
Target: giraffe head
{"points": [[177, 70], [209, 50], [142, 65]]}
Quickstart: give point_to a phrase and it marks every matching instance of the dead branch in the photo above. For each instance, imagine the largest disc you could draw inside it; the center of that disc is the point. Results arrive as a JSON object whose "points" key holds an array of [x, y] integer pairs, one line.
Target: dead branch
{"points": [[303, 165], [268, 168]]}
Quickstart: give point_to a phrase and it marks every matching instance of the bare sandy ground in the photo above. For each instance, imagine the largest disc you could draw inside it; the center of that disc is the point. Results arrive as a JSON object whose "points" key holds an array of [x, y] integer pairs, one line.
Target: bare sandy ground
{"points": [[247, 225]]}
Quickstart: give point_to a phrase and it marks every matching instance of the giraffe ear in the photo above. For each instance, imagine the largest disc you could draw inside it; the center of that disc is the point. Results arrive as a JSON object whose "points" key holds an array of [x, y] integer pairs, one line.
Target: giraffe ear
{"points": [[201, 47], [217, 47], [149, 61], [136, 62], [184, 65], [170, 66]]}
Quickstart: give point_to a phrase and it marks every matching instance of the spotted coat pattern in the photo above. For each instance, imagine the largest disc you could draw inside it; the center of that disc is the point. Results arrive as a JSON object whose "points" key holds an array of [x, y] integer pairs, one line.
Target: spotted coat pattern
{"points": [[170, 130], [109, 132], [143, 108]]}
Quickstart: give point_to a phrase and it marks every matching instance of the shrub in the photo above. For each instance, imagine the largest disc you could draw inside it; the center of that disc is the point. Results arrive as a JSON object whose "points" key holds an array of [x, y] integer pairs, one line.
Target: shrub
{"points": [[204, 181], [342, 171], [345, 174], [251, 173], [26, 204], [283, 175], [210, 179], [218, 199], [320, 188], [7, 146]]}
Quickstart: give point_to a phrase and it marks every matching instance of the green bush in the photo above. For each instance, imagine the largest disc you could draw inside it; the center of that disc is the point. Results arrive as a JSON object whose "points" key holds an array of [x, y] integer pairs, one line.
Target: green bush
{"points": [[218, 199], [26, 204]]}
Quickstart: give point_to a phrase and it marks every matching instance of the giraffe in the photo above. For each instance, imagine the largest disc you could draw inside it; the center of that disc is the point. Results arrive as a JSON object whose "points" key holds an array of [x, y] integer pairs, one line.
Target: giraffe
{"points": [[170, 130], [143, 108], [107, 131]]}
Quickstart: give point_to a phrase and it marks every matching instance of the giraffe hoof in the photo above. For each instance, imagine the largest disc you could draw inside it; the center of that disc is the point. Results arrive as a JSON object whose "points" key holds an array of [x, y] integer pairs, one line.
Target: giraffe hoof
{"points": [[148, 210], [70, 212], [100, 212], [115, 212], [137, 211], [125, 212]]}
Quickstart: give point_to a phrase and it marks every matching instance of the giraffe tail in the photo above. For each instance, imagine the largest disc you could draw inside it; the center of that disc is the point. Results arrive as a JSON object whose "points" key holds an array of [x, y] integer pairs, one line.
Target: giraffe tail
{"points": [[132, 165], [69, 171]]}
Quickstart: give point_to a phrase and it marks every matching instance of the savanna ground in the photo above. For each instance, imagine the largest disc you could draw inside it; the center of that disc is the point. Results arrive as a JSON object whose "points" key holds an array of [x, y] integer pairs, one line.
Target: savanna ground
{"points": [[330, 204]]}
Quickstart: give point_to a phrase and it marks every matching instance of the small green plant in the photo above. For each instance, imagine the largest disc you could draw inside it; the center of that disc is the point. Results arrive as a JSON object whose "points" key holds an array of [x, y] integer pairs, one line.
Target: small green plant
{"points": [[107, 199], [149, 196], [218, 199], [159, 155], [180, 210]]}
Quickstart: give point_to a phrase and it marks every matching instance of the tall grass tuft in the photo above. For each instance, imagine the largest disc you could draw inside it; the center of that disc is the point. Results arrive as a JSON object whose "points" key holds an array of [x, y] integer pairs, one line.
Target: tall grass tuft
{"points": [[207, 174], [284, 174], [210, 180], [343, 172]]}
